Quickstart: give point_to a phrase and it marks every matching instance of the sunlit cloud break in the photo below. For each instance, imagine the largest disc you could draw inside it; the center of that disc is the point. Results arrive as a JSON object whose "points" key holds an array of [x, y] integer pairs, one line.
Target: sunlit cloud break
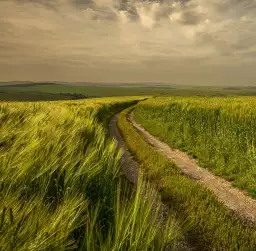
{"points": [[186, 42]]}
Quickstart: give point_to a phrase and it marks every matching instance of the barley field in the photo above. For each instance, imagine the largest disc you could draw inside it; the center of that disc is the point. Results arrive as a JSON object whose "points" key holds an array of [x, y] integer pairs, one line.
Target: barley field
{"points": [[214, 226], [61, 185], [219, 132]]}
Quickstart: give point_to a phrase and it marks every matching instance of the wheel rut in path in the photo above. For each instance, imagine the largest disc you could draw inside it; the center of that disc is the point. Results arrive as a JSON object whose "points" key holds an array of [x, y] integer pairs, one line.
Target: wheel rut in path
{"points": [[130, 169], [236, 200]]}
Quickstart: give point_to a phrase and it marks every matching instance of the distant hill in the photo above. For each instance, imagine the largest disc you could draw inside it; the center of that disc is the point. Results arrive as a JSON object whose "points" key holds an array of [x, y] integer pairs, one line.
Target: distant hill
{"points": [[25, 84]]}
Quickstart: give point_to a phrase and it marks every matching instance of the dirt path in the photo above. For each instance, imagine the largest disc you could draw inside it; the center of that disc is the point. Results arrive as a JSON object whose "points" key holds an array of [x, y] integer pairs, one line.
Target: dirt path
{"points": [[130, 166], [130, 169], [235, 199]]}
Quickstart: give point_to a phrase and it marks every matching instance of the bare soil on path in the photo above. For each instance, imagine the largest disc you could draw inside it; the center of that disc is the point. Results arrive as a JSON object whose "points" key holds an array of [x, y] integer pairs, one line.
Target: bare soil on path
{"points": [[130, 169], [236, 200]]}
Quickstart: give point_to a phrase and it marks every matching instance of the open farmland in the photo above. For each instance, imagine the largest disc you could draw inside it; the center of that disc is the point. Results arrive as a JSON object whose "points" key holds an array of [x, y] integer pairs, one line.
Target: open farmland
{"points": [[61, 186], [219, 132], [127, 125], [66, 186], [216, 226], [29, 91]]}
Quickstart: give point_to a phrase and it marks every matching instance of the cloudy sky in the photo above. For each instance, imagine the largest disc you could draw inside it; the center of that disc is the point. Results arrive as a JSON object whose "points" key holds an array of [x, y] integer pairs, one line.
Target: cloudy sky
{"points": [[199, 42]]}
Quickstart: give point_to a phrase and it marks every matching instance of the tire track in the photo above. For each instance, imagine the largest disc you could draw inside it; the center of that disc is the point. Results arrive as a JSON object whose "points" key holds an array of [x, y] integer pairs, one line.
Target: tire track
{"points": [[130, 169], [236, 200]]}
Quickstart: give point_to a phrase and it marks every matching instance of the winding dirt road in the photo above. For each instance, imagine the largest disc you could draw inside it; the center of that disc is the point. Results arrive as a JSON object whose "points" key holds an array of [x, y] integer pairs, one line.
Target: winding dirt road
{"points": [[130, 169], [236, 200]]}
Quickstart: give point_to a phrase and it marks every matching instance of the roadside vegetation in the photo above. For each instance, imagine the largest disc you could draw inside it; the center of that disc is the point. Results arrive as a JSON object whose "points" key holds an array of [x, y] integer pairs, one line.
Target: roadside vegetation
{"points": [[61, 186], [219, 132], [214, 226]]}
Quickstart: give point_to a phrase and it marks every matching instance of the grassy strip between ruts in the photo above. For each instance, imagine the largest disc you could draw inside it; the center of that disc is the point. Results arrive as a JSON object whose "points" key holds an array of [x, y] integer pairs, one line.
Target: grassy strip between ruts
{"points": [[214, 225]]}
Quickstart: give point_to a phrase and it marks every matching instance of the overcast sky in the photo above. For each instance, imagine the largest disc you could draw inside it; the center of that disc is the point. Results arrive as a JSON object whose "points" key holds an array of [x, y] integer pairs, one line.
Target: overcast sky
{"points": [[203, 42]]}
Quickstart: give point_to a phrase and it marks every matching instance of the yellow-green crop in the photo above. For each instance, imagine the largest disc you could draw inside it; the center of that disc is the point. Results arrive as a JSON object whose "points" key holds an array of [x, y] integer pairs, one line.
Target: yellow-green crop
{"points": [[214, 227], [219, 132], [60, 183]]}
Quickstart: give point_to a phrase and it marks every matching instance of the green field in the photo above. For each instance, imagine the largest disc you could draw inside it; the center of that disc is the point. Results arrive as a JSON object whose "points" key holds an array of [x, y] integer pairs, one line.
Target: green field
{"points": [[219, 132], [61, 181], [214, 226], [54, 91], [61, 186]]}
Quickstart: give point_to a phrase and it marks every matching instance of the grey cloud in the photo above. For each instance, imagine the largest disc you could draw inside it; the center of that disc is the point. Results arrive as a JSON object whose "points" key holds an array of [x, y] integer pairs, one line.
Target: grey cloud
{"points": [[128, 40], [236, 7], [46, 3], [191, 18], [82, 2]]}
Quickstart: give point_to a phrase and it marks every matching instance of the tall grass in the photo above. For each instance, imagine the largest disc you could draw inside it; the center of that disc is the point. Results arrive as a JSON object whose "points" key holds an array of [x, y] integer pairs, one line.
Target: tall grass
{"points": [[60, 182], [214, 226], [219, 132]]}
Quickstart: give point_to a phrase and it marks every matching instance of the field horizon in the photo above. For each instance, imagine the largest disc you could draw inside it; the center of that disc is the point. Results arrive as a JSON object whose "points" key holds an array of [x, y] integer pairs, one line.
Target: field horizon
{"points": [[33, 91]]}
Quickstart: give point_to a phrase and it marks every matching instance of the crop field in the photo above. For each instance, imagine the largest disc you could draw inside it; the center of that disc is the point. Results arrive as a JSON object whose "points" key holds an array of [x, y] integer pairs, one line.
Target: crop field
{"points": [[53, 91], [61, 185], [214, 226], [219, 132]]}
